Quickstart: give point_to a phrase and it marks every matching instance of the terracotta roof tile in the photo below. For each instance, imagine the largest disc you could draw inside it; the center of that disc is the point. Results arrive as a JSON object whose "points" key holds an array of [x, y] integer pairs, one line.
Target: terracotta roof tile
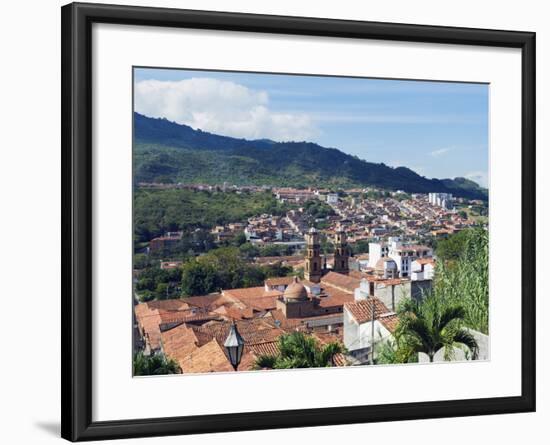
{"points": [[279, 281], [247, 293], [179, 342], [210, 301], [255, 297], [267, 348], [257, 330], [361, 310], [390, 321], [341, 281], [168, 305], [208, 358], [334, 297], [425, 261]]}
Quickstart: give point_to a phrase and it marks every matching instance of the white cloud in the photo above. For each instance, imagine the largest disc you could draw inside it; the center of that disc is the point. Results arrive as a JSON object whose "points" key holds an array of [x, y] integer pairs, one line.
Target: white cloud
{"points": [[478, 176], [440, 152], [381, 118], [220, 107]]}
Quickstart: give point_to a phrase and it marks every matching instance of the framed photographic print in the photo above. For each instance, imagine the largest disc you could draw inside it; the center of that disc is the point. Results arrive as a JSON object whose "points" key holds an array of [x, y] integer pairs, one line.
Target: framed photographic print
{"points": [[292, 207]]}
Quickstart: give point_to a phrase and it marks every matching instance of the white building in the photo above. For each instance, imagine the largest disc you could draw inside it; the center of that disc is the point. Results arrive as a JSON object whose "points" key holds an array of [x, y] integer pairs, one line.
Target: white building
{"points": [[332, 198], [359, 331], [444, 200], [376, 252], [423, 269], [402, 254]]}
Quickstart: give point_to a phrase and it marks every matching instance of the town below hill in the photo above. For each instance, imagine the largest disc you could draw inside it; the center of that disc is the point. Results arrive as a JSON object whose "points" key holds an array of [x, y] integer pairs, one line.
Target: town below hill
{"points": [[304, 276]]}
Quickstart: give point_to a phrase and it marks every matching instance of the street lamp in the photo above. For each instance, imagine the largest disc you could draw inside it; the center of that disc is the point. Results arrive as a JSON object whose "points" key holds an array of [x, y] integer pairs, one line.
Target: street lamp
{"points": [[234, 345]]}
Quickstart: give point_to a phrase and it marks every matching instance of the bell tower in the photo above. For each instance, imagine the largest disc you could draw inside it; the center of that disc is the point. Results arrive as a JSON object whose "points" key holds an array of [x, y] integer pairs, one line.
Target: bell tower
{"points": [[341, 252], [313, 269]]}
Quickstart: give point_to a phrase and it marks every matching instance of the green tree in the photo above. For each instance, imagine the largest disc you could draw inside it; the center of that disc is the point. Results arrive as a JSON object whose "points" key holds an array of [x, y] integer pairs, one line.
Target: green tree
{"points": [[249, 250], [387, 352], [224, 268], [465, 280], [198, 278], [298, 350], [429, 326], [156, 364], [452, 247], [361, 246], [162, 290], [141, 261]]}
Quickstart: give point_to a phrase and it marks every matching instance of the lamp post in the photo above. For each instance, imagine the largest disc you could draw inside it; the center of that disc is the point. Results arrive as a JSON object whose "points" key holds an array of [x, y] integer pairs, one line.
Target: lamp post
{"points": [[234, 345]]}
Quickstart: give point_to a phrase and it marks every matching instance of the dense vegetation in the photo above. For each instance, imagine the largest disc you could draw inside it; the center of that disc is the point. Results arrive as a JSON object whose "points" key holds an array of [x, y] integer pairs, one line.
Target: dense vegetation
{"points": [[430, 326], [224, 268], [464, 280], [450, 249], [169, 152], [160, 211], [156, 364], [299, 350], [221, 268], [155, 283], [459, 300], [315, 210], [249, 250]]}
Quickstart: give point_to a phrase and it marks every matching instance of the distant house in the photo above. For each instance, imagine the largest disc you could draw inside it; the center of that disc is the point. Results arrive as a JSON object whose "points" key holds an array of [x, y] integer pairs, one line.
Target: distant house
{"points": [[403, 254], [170, 239], [332, 198], [278, 284], [423, 269], [169, 265]]}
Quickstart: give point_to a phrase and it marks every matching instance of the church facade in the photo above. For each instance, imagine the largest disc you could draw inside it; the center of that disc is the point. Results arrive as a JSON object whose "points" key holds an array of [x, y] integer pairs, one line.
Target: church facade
{"points": [[315, 265]]}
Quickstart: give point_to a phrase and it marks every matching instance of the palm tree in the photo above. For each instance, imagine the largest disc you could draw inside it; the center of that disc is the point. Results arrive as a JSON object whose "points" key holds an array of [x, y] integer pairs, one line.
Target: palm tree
{"points": [[429, 326], [298, 350], [155, 364]]}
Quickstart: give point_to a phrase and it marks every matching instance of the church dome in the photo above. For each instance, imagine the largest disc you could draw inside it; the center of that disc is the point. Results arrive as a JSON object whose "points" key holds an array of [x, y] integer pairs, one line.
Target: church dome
{"points": [[295, 291]]}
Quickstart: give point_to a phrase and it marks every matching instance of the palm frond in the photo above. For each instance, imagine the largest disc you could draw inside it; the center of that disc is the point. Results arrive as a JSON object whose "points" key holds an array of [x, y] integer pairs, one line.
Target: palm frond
{"points": [[450, 314], [327, 353], [464, 337], [265, 361]]}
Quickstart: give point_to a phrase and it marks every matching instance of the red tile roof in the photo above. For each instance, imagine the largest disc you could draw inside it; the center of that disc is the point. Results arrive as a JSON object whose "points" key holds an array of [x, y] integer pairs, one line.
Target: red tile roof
{"points": [[212, 300], [149, 317], [425, 261], [255, 297], [279, 281], [208, 358], [341, 281], [179, 342], [334, 297], [257, 330], [361, 310], [390, 321]]}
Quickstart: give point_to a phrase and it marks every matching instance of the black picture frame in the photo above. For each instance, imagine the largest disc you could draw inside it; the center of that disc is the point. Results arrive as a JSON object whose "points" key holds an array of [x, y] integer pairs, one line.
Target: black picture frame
{"points": [[76, 129]]}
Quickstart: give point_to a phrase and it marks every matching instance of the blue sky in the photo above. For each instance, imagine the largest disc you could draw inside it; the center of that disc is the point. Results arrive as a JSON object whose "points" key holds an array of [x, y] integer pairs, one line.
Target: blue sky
{"points": [[438, 129]]}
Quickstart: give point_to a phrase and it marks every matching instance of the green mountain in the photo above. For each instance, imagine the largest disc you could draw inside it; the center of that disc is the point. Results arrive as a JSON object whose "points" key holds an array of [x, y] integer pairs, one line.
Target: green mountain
{"points": [[165, 151]]}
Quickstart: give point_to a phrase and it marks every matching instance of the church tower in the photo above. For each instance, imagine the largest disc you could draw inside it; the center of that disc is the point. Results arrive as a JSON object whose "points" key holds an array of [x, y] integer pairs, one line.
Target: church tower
{"points": [[341, 252], [313, 270]]}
